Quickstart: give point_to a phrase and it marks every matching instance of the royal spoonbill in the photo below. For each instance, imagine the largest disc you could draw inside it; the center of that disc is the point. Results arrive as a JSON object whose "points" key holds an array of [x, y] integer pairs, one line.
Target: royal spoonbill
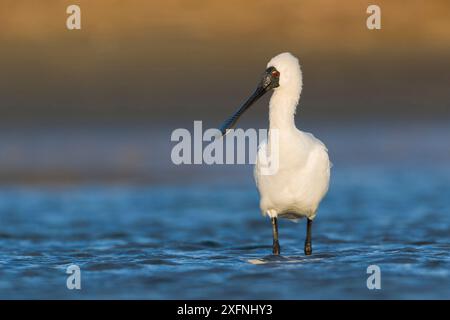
{"points": [[301, 180]]}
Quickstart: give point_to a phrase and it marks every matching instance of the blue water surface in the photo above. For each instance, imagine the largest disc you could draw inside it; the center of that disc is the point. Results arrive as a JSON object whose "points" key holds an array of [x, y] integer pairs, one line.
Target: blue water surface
{"points": [[194, 240]]}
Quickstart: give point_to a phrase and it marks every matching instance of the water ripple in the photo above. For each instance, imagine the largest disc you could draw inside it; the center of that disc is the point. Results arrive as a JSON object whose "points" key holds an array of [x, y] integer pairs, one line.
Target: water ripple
{"points": [[128, 243]]}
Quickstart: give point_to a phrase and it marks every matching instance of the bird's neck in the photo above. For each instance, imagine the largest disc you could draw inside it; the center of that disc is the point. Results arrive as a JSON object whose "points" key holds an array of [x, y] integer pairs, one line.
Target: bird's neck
{"points": [[283, 105]]}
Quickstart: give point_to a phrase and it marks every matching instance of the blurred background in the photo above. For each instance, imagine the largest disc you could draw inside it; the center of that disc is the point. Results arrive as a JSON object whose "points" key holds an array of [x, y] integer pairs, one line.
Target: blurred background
{"points": [[86, 177], [96, 103]]}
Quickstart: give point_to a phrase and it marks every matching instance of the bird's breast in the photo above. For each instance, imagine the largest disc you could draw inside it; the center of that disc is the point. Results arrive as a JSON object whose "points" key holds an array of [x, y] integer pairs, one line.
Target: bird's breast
{"points": [[299, 182]]}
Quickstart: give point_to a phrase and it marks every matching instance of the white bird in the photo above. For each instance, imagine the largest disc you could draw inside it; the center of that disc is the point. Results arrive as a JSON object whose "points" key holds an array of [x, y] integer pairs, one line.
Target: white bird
{"points": [[301, 179]]}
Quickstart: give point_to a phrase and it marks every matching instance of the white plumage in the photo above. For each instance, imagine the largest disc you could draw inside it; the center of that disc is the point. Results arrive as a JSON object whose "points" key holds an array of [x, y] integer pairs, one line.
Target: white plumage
{"points": [[292, 170], [302, 179]]}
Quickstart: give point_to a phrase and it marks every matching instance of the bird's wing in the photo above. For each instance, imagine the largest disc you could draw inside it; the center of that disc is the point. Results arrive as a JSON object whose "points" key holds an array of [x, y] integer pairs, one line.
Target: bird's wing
{"points": [[261, 153], [319, 143]]}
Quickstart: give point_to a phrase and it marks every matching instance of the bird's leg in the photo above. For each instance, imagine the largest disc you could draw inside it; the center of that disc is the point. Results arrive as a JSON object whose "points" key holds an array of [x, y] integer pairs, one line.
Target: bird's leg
{"points": [[276, 244], [308, 245]]}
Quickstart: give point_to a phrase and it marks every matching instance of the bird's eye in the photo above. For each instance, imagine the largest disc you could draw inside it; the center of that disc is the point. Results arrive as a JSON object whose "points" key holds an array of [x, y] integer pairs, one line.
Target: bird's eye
{"points": [[275, 73]]}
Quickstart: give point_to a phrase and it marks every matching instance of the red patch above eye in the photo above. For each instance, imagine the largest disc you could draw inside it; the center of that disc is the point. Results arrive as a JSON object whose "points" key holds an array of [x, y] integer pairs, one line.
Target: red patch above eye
{"points": [[275, 73]]}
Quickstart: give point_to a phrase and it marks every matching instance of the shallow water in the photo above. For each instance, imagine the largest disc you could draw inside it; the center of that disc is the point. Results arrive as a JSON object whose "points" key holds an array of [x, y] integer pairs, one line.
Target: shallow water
{"points": [[195, 241]]}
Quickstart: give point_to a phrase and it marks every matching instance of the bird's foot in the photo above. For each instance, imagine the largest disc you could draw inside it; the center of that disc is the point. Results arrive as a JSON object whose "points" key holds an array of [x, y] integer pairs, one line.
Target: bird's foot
{"points": [[276, 248], [308, 248]]}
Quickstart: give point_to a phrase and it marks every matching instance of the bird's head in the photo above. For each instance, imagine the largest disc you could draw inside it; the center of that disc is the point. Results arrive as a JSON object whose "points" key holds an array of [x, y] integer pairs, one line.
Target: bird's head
{"points": [[288, 67], [282, 73]]}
